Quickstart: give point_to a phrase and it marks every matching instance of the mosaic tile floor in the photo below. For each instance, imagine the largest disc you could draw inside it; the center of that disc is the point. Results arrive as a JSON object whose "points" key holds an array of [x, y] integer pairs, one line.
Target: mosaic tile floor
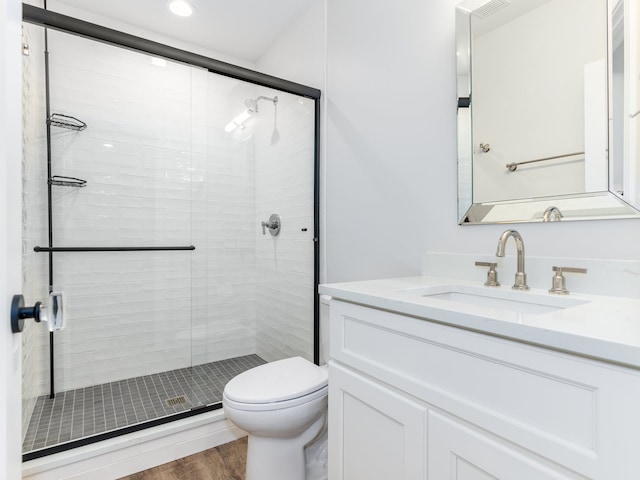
{"points": [[88, 411]]}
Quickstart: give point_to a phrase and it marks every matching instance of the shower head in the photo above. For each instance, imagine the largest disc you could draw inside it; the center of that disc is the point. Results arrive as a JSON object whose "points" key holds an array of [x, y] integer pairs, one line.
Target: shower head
{"points": [[252, 103], [252, 109]]}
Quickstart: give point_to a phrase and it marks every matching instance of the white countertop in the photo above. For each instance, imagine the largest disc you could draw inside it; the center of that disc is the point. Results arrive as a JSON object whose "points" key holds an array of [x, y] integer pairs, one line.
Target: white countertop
{"points": [[605, 328]]}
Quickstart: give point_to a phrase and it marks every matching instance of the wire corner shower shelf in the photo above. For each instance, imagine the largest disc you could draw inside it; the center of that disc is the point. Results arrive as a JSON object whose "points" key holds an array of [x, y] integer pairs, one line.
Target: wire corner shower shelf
{"points": [[63, 181], [66, 121], [70, 123]]}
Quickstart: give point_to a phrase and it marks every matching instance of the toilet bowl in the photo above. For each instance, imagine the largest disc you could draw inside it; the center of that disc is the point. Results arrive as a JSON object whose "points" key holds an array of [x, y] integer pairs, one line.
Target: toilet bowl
{"points": [[282, 405]]}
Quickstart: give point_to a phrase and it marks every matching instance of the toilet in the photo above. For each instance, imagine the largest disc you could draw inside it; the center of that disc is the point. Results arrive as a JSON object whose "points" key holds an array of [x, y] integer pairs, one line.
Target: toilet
{"points": [[282, 405]]}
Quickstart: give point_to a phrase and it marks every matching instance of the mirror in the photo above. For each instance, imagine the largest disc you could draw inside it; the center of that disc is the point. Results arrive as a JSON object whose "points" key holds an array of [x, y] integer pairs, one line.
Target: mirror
{"points": [[547, 92]]}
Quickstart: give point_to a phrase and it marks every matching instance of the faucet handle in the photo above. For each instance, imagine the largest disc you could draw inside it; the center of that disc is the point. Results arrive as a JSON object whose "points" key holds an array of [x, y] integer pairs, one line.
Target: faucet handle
{"points": [[558, 281], [492, 274]]}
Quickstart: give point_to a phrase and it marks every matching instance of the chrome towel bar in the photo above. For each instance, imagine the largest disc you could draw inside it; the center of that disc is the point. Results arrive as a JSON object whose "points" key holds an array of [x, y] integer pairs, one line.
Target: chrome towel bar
{"points": [[512, 167]]}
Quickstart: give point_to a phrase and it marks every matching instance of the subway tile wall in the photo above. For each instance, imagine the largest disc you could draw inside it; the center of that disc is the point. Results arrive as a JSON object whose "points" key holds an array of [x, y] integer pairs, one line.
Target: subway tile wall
{"points": [[161, 170], [284, 185]]}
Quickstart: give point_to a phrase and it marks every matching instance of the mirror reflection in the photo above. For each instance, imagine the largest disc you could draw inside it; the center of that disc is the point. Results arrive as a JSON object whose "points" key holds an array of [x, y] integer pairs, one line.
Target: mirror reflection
{"points": [[535, 112]]}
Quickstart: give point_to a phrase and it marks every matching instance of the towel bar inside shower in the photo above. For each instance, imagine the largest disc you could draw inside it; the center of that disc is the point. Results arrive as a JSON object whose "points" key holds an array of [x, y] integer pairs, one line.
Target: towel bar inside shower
{"points": [[66, 121], [110, 249]]}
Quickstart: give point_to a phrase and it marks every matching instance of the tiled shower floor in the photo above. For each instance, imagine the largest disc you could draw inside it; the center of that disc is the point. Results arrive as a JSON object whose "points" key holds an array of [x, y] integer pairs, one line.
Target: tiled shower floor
{"points": [[91, 410]]}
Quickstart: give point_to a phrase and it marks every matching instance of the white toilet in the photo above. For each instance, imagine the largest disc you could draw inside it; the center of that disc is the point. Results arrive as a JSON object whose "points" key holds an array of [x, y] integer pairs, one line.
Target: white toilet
{"points": [[282, 405]]}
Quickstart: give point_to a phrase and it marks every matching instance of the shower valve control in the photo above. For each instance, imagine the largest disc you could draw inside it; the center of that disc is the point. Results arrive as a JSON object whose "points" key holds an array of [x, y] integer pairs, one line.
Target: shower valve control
{"points": [[274, 224]]}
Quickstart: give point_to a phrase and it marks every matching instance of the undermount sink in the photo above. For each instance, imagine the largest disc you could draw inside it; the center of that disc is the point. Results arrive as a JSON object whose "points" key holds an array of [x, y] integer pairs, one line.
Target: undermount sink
{"points": [[499, 299]]}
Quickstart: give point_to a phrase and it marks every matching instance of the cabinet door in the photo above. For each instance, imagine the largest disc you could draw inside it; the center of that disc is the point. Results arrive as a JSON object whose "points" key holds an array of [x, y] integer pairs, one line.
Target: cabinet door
{"points": [[374, 433], [460, 452]]}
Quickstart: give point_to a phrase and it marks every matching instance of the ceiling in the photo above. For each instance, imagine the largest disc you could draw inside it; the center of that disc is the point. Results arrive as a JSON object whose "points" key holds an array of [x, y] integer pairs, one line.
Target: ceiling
{"points": [[244, 29]]}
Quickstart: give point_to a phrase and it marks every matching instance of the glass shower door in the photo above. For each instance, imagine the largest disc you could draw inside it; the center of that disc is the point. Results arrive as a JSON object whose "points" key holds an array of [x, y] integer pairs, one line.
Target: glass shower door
{"points": [[253, 292], [119, 193]]}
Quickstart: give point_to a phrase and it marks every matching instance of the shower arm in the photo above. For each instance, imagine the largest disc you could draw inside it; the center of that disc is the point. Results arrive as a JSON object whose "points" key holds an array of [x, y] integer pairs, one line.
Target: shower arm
{"points": [[271, 99], [252, 103]]}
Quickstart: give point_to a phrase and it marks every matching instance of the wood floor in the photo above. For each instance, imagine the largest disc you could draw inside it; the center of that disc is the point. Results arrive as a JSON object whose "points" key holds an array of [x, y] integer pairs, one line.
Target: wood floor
{"points": [[225, 462]]}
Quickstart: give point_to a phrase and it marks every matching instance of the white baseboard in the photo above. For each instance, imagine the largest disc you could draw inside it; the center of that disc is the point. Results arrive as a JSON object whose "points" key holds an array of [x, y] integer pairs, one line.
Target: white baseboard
{"points": [[134, 452]]}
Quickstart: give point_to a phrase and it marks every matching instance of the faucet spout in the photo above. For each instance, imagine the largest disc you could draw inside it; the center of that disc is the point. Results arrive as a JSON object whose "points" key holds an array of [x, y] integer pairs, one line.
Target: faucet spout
{"points": [[552, 214], [521, 276]]}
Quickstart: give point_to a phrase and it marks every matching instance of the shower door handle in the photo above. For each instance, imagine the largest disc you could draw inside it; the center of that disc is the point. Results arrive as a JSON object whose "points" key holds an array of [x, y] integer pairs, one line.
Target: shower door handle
{"points": [[52, 312], [274, 224]]}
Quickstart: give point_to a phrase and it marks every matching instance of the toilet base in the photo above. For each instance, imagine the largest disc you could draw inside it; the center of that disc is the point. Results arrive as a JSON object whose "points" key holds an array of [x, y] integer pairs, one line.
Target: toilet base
{"points": [[271, 458]]}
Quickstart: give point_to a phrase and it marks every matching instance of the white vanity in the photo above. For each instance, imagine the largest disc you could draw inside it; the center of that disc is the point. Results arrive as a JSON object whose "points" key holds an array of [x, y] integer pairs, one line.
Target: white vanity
{"points": [[435, 379]]}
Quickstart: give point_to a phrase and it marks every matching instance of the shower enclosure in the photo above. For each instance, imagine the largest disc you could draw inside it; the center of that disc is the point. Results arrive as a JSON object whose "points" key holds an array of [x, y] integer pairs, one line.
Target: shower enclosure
{"points": [[147, 179]]}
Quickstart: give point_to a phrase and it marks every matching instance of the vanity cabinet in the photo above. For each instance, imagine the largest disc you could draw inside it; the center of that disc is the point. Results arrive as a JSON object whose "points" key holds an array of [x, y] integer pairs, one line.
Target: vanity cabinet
{"points": [[411, 398], [381, 432]]}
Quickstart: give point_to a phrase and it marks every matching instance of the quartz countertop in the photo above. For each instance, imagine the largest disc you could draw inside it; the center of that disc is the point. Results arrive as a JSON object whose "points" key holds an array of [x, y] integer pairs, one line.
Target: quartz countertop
{"points": [[604, 328]]}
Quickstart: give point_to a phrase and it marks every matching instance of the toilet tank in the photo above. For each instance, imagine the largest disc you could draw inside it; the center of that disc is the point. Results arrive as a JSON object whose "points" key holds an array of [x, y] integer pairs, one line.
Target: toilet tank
{"points": [[324, 328]]}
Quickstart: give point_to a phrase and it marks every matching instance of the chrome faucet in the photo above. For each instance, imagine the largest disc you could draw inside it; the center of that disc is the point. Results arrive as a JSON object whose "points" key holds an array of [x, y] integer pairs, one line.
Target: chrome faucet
{"points": [[521, 277], [552, 214]]}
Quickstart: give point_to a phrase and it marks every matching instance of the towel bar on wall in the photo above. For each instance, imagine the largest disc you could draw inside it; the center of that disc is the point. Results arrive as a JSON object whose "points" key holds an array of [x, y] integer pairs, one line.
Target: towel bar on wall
{"points": [[512, 167]]}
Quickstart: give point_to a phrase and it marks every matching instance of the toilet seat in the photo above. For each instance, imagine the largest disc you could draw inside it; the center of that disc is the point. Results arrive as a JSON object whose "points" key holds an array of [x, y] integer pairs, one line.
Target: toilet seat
{"points": [[263, 407], [277, 385]]}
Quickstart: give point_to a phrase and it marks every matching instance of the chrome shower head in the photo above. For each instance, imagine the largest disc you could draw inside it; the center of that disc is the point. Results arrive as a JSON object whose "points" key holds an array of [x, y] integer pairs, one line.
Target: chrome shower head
{"points": [[252, 103]]}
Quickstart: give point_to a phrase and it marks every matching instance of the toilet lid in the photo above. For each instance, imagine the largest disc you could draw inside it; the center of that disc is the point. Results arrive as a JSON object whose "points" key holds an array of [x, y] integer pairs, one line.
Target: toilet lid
{"points": [[277, 381]]}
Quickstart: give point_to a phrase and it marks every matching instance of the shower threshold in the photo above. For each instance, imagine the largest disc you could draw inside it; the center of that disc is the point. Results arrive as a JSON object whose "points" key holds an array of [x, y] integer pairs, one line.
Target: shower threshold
{"points": [[87, 412]]}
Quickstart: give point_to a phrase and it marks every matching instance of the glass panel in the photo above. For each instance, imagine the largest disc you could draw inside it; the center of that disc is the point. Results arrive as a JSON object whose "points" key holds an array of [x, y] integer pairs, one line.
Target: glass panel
{"points": [[172, 156], [118, 361], [253, 292]]}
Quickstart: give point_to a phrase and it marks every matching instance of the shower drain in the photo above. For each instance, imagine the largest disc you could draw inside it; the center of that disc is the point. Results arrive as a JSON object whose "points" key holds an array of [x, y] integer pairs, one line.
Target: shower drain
{"points": [[176, 401]]}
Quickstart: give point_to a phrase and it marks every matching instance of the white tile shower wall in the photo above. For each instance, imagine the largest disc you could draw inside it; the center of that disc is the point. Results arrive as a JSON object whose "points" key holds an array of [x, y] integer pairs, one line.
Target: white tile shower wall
{"points": [[284, 185], [34, 284], [223, 218], [159, 172]]}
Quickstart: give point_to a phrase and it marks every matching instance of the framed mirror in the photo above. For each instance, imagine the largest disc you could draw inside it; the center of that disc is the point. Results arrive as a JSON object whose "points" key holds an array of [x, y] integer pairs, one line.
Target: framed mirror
{"points": [[548, 127]]}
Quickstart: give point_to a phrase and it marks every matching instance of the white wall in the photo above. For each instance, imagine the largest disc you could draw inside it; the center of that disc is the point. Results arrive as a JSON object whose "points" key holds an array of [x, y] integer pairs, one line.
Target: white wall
{"points": [[10, 217], [298, 53], [390, 133], [391, 150]]}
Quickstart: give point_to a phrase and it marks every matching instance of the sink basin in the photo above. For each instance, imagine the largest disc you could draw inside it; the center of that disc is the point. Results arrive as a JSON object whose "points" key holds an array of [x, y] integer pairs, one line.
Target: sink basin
{"points": [[496, 298]]}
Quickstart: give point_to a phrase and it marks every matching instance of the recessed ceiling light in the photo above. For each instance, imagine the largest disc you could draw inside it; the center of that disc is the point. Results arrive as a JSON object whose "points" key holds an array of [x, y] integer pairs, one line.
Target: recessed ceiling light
{"points": [[182, 8]]}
